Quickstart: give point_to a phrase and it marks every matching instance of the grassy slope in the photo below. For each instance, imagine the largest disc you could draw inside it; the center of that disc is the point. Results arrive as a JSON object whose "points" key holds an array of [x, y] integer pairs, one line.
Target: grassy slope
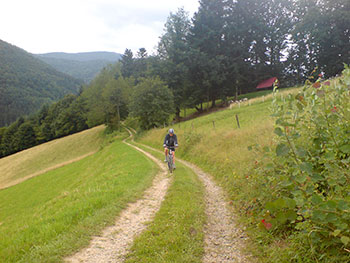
{"points": [[176, 234], [54, 214], [222, 151], [50, 154]]}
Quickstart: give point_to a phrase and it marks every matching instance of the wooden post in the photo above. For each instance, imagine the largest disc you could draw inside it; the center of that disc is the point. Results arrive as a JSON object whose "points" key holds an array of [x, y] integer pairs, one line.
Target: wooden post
{"points": [[237, 119], [214, 124], [192, 125]]}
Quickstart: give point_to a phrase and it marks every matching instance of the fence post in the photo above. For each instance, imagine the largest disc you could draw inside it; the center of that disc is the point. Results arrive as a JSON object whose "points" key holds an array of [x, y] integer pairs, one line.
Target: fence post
{"points": [[237, 119]]}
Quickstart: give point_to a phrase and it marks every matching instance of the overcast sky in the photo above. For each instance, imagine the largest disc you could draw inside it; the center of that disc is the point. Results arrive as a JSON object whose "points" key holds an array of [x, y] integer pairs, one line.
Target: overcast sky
{"points": [[41, 26]]}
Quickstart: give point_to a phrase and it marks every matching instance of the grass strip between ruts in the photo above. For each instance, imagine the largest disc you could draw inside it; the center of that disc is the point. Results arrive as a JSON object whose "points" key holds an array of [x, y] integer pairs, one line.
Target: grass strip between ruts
{"points": [[55, 214], [176, 233]]}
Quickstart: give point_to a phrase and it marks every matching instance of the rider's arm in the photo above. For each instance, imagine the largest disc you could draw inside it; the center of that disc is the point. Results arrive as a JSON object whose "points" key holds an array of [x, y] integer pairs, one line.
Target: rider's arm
{"points": [[175, 139], [165, 141]]}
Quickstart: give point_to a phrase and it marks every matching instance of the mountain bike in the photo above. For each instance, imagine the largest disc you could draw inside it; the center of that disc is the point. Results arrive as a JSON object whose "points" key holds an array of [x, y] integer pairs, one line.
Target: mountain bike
{"points": [[170, 160]]}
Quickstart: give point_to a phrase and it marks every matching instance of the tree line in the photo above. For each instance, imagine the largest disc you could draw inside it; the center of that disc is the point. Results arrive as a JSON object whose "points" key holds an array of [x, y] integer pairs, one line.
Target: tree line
{"points": [[225, 49]]}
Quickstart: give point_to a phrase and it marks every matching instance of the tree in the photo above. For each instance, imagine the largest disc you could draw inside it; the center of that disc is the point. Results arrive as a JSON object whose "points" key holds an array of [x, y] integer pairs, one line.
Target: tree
{"points": [[322, 35], [206, 50], [25, 136], [173, 52], [116, 97], [152, 103], [127, 64]]}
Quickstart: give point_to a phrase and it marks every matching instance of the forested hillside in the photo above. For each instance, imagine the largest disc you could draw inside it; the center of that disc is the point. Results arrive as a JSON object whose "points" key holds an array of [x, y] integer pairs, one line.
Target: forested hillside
{"points": [[26, 83], [225, 50], [83, 66]]}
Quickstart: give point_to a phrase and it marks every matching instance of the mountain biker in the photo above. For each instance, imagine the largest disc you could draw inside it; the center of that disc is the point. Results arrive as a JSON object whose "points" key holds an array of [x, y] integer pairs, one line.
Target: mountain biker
{"points": [[170, 141]]}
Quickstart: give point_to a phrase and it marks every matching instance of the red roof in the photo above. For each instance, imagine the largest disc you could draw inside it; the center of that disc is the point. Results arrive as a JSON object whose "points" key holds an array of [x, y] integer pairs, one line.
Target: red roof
{"points": [[266, 83]]}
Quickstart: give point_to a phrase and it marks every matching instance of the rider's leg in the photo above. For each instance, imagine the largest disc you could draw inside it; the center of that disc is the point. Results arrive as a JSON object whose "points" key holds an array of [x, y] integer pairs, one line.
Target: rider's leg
{"points": [[166, 153], [173, 157]]}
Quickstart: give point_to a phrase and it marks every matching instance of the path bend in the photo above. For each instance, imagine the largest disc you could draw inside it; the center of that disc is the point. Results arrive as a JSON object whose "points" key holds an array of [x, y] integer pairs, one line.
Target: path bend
{"points": [[114, 243]]}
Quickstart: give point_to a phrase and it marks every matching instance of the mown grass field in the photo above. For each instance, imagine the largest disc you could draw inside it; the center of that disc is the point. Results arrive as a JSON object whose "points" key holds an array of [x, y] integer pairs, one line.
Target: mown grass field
{"points": [[50, 155], [176, 234], [216, 144], [55, 214]]}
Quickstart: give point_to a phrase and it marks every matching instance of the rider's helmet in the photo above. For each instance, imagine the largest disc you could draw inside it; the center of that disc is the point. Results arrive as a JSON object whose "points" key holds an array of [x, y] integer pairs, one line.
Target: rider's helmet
{"points": [[171, 131]]}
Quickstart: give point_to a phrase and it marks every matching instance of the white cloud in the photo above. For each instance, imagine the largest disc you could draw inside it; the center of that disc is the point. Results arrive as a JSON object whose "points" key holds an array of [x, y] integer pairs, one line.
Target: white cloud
{"points": [[41, 26]]}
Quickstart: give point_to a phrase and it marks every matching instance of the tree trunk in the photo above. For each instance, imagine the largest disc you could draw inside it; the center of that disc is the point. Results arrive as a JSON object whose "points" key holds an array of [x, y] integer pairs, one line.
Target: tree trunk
{"points": [[177, 113], [213, 103]]}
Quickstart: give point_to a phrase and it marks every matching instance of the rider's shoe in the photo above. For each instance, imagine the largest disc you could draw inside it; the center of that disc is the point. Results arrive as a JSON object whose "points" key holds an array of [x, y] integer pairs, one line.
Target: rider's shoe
{"points": [[165, 160], [174, 166]]}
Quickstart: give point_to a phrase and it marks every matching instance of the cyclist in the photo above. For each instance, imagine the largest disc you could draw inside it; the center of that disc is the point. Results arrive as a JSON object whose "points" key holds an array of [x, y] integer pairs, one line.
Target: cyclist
{"points": [[170, 141]]}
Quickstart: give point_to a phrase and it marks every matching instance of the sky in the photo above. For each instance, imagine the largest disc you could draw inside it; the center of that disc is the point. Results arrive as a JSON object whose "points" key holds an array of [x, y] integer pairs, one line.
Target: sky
{"points": [[42, 26]]}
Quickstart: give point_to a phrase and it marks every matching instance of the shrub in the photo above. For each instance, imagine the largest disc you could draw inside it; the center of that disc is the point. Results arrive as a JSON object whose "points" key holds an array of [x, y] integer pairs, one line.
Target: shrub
{"points": [[309, 176]]}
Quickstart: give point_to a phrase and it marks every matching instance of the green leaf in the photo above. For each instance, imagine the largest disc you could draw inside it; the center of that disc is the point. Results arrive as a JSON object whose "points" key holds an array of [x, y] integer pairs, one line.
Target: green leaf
{"points": [[329, 156], [290, 203], [279, 131], [301, 178], [270, 206], [281, 217], [282, 150], [319, 216], [345, 148], [345, 240], [306, 167], [316, 178], [316, 200], [332, 205], [336, 232], [280, 203], [331, 218], [342, 205], [301, 152], [291, 215]]}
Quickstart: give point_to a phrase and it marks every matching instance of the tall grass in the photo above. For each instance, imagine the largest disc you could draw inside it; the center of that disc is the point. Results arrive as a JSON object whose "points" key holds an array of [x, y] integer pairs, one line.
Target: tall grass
{"points": [[216, 144], [55, 214]]}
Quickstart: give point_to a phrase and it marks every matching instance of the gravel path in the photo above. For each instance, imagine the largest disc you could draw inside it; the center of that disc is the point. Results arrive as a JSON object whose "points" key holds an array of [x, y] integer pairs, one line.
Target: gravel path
{"points": [[115, 241], [224, 241]]}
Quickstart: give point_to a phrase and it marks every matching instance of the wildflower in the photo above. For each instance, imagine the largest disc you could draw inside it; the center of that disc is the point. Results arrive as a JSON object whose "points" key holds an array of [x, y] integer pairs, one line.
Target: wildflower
{"points": [[334, 109], [266, 224], [316, 85]]}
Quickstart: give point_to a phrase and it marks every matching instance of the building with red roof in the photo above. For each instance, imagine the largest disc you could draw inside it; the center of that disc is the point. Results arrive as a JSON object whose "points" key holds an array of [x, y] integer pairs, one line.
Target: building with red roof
{"points": [[268, 83]]}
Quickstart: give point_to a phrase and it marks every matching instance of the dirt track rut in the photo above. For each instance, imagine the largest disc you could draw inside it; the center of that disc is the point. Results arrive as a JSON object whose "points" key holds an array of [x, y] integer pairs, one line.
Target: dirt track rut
{"points": [[115, 241]]}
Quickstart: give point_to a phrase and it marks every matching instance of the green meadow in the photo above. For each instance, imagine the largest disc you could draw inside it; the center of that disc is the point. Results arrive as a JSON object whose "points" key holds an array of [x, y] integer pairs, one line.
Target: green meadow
{"points": [[54, 214]]}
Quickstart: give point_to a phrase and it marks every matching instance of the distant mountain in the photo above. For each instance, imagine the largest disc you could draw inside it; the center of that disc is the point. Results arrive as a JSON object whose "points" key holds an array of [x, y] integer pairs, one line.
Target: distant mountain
{"points": [[26, 83], [83, 66]]}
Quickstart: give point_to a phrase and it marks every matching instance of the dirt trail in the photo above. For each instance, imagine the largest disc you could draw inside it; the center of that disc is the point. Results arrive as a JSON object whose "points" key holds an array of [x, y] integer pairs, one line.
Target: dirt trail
{"points": [[115, 241], [224, 241]]}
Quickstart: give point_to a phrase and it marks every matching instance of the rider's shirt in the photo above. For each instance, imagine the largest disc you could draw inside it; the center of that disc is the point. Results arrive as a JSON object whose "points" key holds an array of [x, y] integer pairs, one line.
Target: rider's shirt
{"points": [[170, 141]]}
